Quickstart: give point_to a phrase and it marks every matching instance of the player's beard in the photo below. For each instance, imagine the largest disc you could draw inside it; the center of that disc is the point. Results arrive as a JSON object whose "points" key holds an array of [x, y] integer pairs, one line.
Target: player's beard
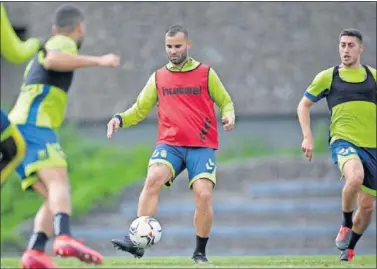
{"points": [[181, 59]]}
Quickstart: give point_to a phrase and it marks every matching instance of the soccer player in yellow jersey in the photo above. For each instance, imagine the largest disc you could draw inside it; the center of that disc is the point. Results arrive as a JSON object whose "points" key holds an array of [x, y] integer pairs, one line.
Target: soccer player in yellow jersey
{"points": [[14, 50], [39, 113], [350, 89]]}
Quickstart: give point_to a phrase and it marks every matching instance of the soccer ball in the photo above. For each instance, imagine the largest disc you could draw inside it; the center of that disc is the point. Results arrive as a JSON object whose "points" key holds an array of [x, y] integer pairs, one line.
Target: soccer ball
{"points": [[145, 232]]}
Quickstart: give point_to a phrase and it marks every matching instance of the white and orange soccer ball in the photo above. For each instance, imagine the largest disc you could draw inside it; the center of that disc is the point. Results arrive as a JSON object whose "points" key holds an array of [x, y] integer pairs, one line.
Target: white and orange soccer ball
{"points": [[145, 232]]}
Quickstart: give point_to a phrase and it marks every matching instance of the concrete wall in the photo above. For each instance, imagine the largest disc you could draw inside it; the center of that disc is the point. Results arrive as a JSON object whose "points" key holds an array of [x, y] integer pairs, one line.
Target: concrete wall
{"points": [[265, 53]]}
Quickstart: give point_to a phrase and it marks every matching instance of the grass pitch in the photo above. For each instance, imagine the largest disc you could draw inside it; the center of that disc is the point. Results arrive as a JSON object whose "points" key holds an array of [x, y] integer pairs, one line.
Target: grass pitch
{"points": [[218, 262]]}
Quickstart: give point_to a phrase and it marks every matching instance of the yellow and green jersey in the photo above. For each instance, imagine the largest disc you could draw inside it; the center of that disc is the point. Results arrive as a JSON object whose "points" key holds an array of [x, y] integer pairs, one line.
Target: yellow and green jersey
{"points": [[43, 98], [351, 98], [12, 48], [148, 97]]}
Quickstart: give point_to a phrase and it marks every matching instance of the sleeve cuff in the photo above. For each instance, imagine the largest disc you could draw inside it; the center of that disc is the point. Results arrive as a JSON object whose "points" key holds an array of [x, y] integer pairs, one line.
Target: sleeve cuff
{"points": [[311, 97], [120, 119]]}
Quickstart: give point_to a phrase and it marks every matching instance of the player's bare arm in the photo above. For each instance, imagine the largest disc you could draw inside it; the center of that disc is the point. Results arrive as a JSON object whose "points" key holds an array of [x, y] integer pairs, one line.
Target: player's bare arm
{"points": [[63, 62], [303, 113]]}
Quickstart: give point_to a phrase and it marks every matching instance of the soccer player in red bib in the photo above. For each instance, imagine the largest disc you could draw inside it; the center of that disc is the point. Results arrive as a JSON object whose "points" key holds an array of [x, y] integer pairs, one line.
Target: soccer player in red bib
{"points": [[186, 91]]}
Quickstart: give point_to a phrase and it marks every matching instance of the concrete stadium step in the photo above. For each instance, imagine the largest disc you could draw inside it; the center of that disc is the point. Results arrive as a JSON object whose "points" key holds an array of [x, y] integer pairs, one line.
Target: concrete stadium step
{"points": [[287, 212], [231, 219], [283, 167], [254, 188], [302, 187], [229, 206], [253, 193], [237, 219], [234, 176], [239, 232]]}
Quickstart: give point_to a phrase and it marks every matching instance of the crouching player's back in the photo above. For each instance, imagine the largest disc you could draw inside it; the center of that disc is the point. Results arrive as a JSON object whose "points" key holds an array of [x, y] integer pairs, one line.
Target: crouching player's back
{"points": [[39, 113]]}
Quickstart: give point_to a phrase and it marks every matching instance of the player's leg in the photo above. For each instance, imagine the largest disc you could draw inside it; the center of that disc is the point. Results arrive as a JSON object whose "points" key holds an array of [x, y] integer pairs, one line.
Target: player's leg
{"points": [[363, 215], [165, 164], [59, 201], [35, 255], [46, 160], [12, 147], [158, 174], [365, 202], [349, 163], [201, 167], [361, 221]]}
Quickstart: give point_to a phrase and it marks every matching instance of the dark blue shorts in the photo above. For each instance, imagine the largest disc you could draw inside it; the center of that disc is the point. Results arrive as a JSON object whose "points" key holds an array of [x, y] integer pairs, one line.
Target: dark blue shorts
{"points": [[342, 151], [200, 162], [43, 151]]}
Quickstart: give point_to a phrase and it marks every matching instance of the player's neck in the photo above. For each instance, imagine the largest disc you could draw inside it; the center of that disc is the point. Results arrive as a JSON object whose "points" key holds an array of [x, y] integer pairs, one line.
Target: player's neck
{"points": [[354, 66]]}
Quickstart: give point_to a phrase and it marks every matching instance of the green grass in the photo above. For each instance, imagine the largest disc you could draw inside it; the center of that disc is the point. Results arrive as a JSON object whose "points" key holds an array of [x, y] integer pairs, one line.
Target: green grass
{"points": [[218, 262], [99, 171]]}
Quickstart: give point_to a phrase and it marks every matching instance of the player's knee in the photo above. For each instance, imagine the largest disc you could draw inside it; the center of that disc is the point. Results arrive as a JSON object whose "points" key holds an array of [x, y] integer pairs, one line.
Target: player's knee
{"points": [[204, 197], [203, 192], [356, 179], [366, 205], [154, 182], [367, 209], [158, 175]]}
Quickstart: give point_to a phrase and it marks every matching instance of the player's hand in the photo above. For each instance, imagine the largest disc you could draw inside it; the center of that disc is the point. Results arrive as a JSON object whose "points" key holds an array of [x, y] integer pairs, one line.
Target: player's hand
{"points": [[228, 123], [112, 127], [108, 60], [307, 147]]}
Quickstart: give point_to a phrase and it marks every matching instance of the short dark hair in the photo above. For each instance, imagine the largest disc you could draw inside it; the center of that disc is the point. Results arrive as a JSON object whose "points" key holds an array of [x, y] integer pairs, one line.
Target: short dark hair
{"points": [[352, 32], [175, 29], [67, 17]]}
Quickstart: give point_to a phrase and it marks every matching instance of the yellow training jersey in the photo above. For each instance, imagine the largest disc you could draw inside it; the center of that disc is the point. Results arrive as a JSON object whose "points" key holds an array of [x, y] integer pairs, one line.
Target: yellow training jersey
{"points": [[351, 98], [43, 98]]}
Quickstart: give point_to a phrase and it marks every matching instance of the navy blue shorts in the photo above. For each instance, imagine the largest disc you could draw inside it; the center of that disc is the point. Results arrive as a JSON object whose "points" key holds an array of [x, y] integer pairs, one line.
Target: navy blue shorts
{"points": [[43, 151], [199, 162], [342, 151]]}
